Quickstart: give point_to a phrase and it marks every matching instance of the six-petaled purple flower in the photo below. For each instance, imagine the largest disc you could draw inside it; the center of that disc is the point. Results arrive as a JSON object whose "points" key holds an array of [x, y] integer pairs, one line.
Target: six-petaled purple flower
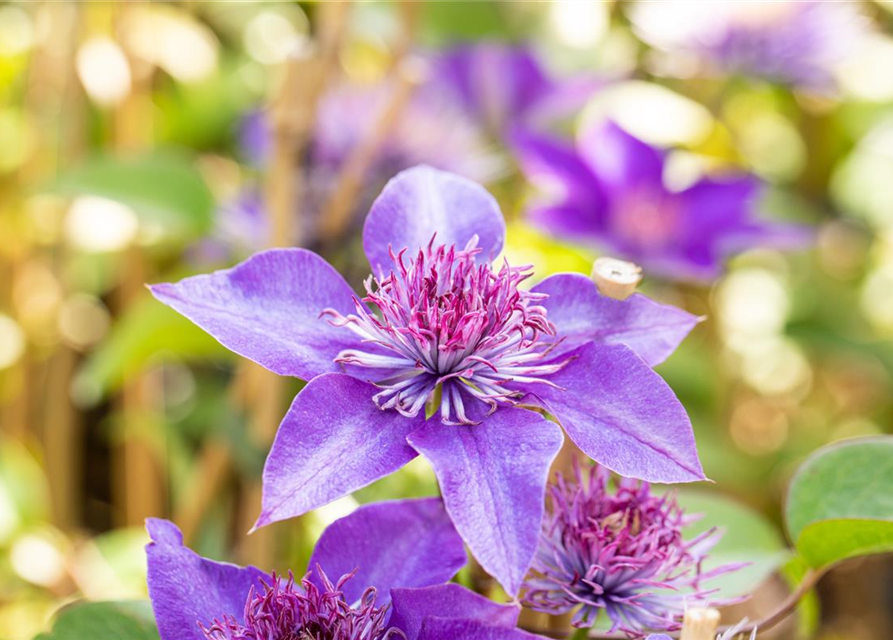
{"points": [[377, 574], [608, 191], [442, 333], [619, 552]]}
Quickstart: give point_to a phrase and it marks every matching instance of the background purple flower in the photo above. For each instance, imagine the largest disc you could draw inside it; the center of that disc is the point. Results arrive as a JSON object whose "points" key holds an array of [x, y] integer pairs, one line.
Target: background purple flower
{"points": [[620, 552], [375, 574], [504, 85], [429, 130], [457, 335], [608, 191], [796, 43]]}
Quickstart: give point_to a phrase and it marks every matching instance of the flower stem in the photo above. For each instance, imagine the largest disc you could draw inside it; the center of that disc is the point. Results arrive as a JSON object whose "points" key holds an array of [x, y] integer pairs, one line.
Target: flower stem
{"points": [[580, 634]]}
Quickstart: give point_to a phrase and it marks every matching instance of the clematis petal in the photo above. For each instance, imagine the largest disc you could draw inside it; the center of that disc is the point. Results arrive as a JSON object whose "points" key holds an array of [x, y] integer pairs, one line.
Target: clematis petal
{"points": [[447, 629], [452, 601], [421, 202], [554, 166], [403, 543], [618, 159], [267, 309], [493, 477], [581, 314], [187, 589], [622, 415], [332, 441]]}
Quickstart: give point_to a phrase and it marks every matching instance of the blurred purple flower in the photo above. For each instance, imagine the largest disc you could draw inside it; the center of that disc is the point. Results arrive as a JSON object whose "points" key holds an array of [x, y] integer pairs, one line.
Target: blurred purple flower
{"points": [[504, 85], [796, 43], [610, 193], [393, 559], [430, 130], [456, 334], [621, 552]]}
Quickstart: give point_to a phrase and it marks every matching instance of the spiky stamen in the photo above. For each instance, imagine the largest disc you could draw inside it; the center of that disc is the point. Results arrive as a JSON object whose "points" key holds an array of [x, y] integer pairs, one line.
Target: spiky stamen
{"points": [[452, 329], [287, 611], [621, 552]]}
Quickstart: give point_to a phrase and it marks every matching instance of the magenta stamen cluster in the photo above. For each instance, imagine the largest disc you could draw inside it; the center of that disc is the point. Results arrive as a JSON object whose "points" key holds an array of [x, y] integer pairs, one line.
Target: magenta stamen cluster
{"points": [[620, 552], [448, 329], [287, 611]]}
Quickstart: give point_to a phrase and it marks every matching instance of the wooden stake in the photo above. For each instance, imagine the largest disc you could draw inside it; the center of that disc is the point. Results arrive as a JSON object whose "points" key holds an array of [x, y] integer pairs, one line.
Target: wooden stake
{"points": [[700, 624], [616, 278]]}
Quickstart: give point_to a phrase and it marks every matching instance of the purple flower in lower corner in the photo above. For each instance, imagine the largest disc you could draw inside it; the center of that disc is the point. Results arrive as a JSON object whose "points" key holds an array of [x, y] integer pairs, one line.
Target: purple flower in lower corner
{"points": [[611, 194], [620, 552], [377, 574], [443, 357]]}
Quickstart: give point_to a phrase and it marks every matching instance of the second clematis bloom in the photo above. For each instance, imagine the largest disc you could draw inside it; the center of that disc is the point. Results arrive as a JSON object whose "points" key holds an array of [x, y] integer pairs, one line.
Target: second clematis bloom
{"points": [[445, 356], [609, 192], [620, 552], [377, 574]]}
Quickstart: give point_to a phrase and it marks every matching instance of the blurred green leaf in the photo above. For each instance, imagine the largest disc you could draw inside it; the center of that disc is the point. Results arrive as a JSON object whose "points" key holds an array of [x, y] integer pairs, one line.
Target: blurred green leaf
{"points": [[840, 502], [747, 537], [164, 188], [104, 620], [444, 22], [148, 330]]}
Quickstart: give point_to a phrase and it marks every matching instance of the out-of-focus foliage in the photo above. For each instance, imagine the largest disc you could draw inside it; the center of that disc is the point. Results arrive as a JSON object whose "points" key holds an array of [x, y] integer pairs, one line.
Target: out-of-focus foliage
{"points": [[120, 620], [840, 503]]}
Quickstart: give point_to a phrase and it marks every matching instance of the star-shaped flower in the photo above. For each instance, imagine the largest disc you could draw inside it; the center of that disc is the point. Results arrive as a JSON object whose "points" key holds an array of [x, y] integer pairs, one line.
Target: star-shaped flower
{"points": [[445, 356]]}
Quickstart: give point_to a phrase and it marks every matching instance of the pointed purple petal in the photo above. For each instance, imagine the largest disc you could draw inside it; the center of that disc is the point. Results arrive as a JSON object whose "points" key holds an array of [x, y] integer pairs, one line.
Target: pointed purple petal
{"points": [[412, 606], [404, 543], [620, 160], [187, 589], [446, 629], [555, 167], [581, 314], [332, 441], [267, 310], [493, 477], [421, 202], [623, 415]]}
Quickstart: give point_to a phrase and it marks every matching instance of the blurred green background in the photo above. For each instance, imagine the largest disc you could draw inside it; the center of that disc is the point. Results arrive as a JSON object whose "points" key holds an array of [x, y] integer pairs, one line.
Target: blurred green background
{"points": [[120, 142]]}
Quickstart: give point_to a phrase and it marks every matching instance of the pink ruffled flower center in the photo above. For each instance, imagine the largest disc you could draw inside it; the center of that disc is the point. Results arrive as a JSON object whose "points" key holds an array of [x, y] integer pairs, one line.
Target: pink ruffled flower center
{"points": [[449, 330], [287, 611]]}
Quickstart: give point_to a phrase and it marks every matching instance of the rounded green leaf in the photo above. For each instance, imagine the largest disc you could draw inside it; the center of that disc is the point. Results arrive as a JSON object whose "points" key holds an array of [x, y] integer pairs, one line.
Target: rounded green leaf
{"points": [[840, 502], [747, 537], [164, 188], [113, 620]]}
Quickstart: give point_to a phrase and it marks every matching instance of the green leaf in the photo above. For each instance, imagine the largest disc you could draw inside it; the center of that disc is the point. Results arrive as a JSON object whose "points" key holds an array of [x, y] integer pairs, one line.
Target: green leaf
{"points": [[164, 188], [148, 331], [840, 502], [747, 537], [132, 620]]}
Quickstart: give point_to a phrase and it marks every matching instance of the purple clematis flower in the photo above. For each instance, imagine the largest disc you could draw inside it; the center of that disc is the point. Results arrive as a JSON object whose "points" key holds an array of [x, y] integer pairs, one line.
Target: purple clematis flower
{"points": [[503, 85], [377, 574], [794, 43], [620, 552], [611, 194], [440, 358]]}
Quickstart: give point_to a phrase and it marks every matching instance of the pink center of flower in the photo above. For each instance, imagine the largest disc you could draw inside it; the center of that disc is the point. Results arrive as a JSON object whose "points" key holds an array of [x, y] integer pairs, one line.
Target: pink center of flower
{"points": [[619, 551], [286, 611], [448, 329], [646, 218]]}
